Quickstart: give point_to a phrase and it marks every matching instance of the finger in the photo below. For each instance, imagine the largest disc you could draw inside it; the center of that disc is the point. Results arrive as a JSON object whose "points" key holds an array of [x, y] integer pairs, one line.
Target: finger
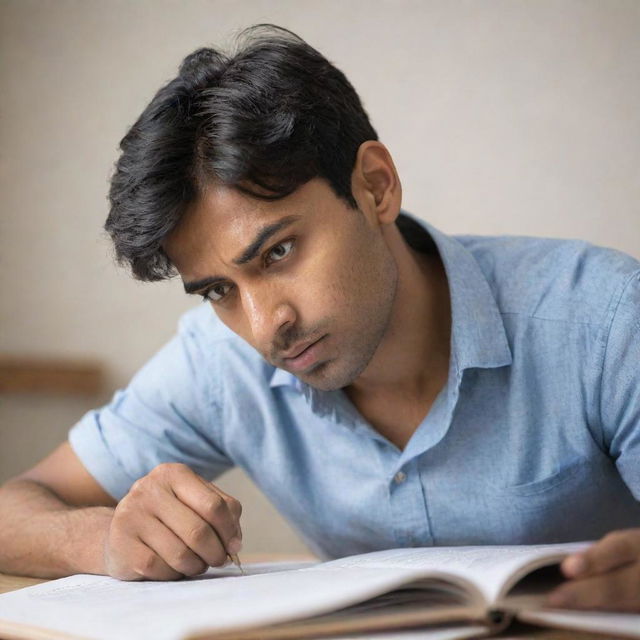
{"points": [[614, 550], [234, 545], [181, 499], [618, 590], [175, 553], [197, 534], [234, 505], [146, 564], [150, 566], [210, 505]]}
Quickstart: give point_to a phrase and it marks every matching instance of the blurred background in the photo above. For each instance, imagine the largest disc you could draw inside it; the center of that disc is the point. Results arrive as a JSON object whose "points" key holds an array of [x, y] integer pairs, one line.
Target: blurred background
{"points": [[503, 116]]}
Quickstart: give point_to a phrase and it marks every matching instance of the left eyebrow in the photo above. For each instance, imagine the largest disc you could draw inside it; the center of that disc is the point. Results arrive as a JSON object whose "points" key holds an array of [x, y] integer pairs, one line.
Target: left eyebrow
{"points": [[262, 236], [247, 255]]}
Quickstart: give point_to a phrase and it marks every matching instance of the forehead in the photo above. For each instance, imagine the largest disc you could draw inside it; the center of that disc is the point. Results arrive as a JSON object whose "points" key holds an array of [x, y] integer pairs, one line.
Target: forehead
{"points": [[223, 221]]}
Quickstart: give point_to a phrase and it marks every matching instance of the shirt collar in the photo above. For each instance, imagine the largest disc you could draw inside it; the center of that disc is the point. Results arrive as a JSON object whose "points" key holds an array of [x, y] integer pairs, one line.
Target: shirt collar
{"points": [[282, 378], [478, 337]]}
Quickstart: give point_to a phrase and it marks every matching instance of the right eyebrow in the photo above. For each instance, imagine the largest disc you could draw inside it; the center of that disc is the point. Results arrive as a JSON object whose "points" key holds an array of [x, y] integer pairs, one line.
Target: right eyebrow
{"points": [[198, 285]]}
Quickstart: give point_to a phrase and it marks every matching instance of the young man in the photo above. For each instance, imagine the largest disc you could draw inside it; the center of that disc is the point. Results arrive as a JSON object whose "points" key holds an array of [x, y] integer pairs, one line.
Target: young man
{"points": [[384, 384]]}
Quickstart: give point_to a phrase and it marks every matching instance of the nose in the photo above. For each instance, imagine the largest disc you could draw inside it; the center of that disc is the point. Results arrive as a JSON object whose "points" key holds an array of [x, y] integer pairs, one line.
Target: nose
{"points": [[268, 313]]}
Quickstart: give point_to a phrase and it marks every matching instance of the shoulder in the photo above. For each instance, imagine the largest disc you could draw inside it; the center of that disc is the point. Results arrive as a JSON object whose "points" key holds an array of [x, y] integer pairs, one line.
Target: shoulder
{"points": [[202, 325], [553, 279]]}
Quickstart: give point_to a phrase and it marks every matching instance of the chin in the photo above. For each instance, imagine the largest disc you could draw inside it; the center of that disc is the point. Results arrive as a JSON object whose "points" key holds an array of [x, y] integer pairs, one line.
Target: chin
{"points": [[330, 376]]}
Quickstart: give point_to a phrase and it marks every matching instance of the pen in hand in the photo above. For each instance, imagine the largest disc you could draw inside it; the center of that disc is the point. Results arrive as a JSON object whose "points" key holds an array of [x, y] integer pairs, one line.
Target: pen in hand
{"points": [[236, 560]]}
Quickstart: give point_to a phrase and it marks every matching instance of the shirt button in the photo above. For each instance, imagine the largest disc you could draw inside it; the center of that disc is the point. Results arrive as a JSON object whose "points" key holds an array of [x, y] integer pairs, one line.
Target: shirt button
{"points": [[400, 477]]}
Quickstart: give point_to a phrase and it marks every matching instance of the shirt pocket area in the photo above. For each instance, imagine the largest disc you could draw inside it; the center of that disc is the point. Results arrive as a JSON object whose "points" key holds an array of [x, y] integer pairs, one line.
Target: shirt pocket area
{"points": [[559, 481], [582, 501]]}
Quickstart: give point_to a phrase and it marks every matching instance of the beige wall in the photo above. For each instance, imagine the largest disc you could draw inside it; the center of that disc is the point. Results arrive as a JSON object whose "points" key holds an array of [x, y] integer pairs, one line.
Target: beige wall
{"points": [[504, 116]]}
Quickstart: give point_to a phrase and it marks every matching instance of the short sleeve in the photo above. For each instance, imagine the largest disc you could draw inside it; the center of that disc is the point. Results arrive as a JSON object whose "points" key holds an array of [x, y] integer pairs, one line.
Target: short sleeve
{"points": [[620, 395], [170, 412]]}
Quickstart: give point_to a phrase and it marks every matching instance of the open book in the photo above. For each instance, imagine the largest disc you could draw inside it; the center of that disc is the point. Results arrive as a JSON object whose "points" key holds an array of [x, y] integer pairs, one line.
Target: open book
{"points": [[443, 593]]}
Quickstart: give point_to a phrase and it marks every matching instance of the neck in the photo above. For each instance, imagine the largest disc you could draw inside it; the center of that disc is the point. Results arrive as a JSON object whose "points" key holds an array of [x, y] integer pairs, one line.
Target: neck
{"points": [[413, 358]]}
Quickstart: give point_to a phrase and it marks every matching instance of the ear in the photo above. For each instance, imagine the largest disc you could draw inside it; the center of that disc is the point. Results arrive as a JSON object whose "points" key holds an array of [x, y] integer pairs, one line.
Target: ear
{"points": [[375, 183]]}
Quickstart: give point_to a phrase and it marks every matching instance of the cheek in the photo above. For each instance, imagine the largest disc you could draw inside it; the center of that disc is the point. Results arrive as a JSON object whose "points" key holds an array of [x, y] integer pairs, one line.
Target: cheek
{"points": [[323, 284]]}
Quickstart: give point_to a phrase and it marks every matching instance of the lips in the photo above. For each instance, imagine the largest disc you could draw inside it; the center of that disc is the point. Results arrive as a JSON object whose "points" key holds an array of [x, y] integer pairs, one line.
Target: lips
{"points": [[298, 349], [305, 356]]}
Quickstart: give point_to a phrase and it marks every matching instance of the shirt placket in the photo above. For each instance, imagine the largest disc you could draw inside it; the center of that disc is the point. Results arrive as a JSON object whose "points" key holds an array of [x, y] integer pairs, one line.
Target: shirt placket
{"points": [[408, 503]]}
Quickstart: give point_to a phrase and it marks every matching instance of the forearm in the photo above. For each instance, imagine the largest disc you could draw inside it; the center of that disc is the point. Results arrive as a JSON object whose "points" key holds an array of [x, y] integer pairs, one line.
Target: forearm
{"points": [[40, 535]]}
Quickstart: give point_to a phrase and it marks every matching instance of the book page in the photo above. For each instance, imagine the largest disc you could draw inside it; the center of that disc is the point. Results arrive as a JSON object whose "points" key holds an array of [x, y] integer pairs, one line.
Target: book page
{"points": [[493, 569], [101, 608], [619, 624], [439, 633]]}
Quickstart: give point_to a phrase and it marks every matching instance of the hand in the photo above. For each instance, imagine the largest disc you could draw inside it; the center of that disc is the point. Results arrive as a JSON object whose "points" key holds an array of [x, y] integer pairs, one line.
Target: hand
{"points": [[171, 524], [605, 576]]}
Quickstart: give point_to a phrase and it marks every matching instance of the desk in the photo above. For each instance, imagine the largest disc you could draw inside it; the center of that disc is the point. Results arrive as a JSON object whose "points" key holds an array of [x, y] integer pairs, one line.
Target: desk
{"points": [[516, 632], [11, 583]]}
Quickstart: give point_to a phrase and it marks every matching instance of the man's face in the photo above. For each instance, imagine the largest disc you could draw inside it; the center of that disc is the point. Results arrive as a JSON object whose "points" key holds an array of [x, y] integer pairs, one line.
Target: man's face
{"points": [[305, 280]]}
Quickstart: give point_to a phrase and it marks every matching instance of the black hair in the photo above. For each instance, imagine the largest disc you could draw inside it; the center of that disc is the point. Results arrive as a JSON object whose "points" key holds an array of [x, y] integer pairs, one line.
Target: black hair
{"points": [[264, 120]]}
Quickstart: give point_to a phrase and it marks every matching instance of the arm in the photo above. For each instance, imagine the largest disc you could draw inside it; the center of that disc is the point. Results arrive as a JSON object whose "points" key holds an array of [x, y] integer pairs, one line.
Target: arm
{"points": [[48, 528], [115, 500], [172, 523]]}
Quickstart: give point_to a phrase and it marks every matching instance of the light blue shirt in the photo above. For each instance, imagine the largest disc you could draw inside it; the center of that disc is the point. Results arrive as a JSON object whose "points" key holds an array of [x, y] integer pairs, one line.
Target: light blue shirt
{"points": [[535, 437]]}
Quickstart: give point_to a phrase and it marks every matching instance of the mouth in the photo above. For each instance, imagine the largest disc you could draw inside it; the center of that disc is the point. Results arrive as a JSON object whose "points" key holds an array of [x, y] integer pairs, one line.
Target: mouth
{"points": [[303, 356]]}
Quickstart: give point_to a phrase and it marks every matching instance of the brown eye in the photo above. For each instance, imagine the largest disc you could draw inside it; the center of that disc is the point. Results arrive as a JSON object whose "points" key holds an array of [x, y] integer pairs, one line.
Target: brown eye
{"points": [[217, 292], [280, 251]]}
